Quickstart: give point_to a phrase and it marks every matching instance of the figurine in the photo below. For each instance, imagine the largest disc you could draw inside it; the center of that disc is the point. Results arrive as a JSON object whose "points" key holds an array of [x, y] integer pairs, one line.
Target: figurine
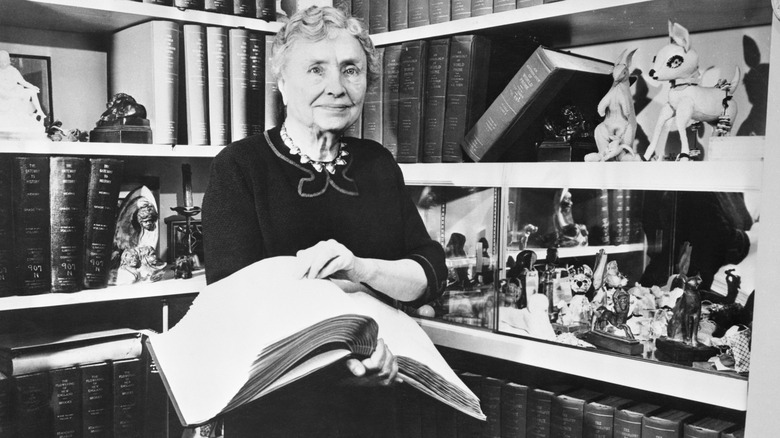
{"points": [[610, 321], [524, 234], [20, 109], [614, 280], [578, 309], [684, 325], [122, 109], [136, 236], [615, 135], [690, 99], [139, 264], [123, 121], [567, 233]]}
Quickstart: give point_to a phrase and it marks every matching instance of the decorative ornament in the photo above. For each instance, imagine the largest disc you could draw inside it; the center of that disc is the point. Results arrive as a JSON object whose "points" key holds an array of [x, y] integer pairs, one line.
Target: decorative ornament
{"points": [[330, 165]]}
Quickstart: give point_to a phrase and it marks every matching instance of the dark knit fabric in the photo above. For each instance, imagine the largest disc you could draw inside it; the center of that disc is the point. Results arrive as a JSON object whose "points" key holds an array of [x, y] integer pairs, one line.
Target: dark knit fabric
{"points": [[261, 202]]}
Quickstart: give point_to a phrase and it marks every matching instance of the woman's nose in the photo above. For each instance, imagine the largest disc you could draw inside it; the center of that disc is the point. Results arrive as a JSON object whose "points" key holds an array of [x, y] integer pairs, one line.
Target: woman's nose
{"points": [[334, 84]]}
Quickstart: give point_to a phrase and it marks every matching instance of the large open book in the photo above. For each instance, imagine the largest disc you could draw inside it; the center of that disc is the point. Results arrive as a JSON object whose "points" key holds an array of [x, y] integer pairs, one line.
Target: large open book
{"points": [[261, 329]]}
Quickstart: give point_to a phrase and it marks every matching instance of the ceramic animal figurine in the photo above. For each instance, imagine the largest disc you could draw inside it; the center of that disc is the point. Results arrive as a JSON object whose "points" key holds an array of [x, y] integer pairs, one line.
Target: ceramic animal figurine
{"points": [[580, 280], [615, 134], [684, 325], [610, 321], [690, 99]]}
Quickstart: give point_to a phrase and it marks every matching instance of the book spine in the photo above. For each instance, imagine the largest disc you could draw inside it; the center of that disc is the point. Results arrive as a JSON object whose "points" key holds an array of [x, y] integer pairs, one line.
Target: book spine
{"points": [[504, 5], [361, 10], [491, 406], [481, 142], [566, 416], [218, 6], [514, 409], [105, 178], [372, 106], [32, 410], [67, 206], [188, 4], [244, 8], [391, 97], [127, 386], [379, 20], [539, 413], [265, 10], [419, 13], [155, 401], [256, 98], [7, 415], [31, 224], [598, 421], [439, 11], [481, 7], [468, 426], [654, 427], [218, 89], [460, 9], [527, 3], [195, 83], [627, 424], [408, 412], [617, 216], [604, 223], [239, 82], [66, 402], [466, 79], [274, 107], [410, 92], [165, 47], [96, 403], [435, 100], [398, 14], [8, 285]]}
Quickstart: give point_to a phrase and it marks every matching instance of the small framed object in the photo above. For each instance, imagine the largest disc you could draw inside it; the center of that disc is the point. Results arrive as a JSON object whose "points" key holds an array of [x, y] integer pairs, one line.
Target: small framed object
{"points": [[177, 238], [37, 71]]}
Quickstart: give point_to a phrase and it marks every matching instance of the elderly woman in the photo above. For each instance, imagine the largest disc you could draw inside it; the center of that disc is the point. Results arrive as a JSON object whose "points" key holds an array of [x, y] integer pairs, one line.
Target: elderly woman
{"points": [[338, 204]]}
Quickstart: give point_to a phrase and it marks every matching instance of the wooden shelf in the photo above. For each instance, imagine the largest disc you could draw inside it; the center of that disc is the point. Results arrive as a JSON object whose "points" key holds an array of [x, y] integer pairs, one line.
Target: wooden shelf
{"points": [[572, 23], [720, 389], [108, 16], [45, 147], [163, 288]]}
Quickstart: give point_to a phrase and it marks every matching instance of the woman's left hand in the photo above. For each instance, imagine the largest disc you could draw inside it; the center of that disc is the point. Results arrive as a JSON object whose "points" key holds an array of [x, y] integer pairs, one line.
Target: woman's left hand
{"points": [[327, 259], [381, 368]]}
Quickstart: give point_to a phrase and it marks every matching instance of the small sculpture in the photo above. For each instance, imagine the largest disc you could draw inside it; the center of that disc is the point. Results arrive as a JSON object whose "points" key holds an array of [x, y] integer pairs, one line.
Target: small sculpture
{"points": [[578, 309], [615, 135], [525, 234], [567, 233], [684, 325], [20, 109], [690, 99], [610, 321], [139, 264], [122, 109], [136, 238], [123, 121]]}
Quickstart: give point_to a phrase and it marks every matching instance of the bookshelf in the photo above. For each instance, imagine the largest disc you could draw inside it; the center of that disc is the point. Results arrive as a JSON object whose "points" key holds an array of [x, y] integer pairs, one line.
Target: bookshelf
{"points": [[568, 23]]}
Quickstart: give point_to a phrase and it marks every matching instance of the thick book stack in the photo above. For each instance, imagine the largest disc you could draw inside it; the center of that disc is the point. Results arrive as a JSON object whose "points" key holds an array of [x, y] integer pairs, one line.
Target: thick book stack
{"points": [[200, 85], [59, 225], [86, 384], [262, 9]]}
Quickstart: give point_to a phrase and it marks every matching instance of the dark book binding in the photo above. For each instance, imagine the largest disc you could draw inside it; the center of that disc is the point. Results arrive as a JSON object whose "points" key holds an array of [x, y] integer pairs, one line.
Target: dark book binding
{"points": [[410, 97], [428, 409], [409, 412], [256, 93], [32, 239], [361, 10], [379, 18], [439, 11], [466, 88], [128, 386], [67, 204], [244, 8], [398, 15], [435, 99], [66, 402], [617, 216], [519, 4], [155, 399], [460, 9], [188, 4], [32, 410], [547, 80], [567, 413], [373, 105], [490, 401], [469, 426], [481, 7], [238, 55], [265, 10], [96, 399], [514, 409], [218, 88], [419, 13], [8, 285], [666, 424], [538, 423], [104, 182], [709, 427], [274, 108], [196, 84], [7, 415], [599, 416], [219, 6], [391, 97], [160, 2], [504, 5], [628, 420], [602, 231]]}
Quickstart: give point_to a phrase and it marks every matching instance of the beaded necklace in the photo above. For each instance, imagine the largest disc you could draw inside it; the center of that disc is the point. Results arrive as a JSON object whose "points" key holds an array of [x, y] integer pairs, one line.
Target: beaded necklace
{"points": [[329, 165]]}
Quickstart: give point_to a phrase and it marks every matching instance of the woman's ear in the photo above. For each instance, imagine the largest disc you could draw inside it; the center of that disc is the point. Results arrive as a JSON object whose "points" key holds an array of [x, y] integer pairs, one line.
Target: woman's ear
{"points": [[282, 90]]}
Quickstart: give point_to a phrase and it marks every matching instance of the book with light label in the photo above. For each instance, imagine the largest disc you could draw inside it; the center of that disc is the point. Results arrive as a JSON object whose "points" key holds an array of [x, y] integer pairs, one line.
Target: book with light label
{"points": [[67, 207], [411, 98], [105, 180], [196, 83], [218, 88], [256, 85], [127, 385], [546, 76], [599, 416], [66, 401], [8, 284], [628, 420], [238, 55], [567, 412], [435, 99], [96, 399], [32, 238], [666, 424]]}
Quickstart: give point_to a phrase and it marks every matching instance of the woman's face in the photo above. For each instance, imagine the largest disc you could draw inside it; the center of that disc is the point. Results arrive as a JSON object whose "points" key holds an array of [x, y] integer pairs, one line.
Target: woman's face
{"points": [[323, 83]]}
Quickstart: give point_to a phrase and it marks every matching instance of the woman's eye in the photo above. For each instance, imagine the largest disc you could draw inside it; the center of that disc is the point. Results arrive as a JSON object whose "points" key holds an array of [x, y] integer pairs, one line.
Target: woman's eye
{"points": [[316, 70], [351, 71]]}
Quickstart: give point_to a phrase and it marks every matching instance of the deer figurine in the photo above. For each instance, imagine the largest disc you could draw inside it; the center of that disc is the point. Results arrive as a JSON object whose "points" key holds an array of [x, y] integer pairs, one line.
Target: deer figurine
{"points": [[689, 99], [615, 134]]}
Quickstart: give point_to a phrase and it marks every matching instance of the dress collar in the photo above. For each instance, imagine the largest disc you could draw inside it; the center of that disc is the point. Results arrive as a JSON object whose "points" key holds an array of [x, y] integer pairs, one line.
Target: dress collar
{"points": [[309, 183]]}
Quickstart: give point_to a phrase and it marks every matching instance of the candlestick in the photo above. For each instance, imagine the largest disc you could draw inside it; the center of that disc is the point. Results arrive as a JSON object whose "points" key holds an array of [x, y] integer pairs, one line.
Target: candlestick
{"points": [[186, 176]]}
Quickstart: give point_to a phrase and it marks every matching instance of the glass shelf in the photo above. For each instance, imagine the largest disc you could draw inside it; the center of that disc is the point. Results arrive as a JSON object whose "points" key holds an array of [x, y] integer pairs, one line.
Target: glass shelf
{"points": [[45, 147]]}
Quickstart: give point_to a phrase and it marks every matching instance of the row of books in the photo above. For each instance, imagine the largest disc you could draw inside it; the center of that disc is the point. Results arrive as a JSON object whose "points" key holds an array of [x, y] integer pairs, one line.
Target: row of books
{"points": [[391, 15], [57, 222], [262, 9], [201, 85], [93, 384], [519, 410]]}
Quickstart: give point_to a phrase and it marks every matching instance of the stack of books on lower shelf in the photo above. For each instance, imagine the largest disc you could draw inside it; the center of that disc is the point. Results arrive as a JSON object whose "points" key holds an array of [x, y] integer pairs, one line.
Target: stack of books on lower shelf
{"points": [[87, 383]]}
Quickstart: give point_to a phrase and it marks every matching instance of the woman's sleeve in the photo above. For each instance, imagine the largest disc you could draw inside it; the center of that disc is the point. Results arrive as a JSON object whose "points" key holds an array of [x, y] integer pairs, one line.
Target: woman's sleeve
{"points": [[231, 232], [421, 248]]}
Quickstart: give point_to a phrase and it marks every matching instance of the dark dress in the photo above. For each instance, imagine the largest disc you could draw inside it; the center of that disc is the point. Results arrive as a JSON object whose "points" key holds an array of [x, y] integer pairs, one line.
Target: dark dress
{"points": [[261, 202]]}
